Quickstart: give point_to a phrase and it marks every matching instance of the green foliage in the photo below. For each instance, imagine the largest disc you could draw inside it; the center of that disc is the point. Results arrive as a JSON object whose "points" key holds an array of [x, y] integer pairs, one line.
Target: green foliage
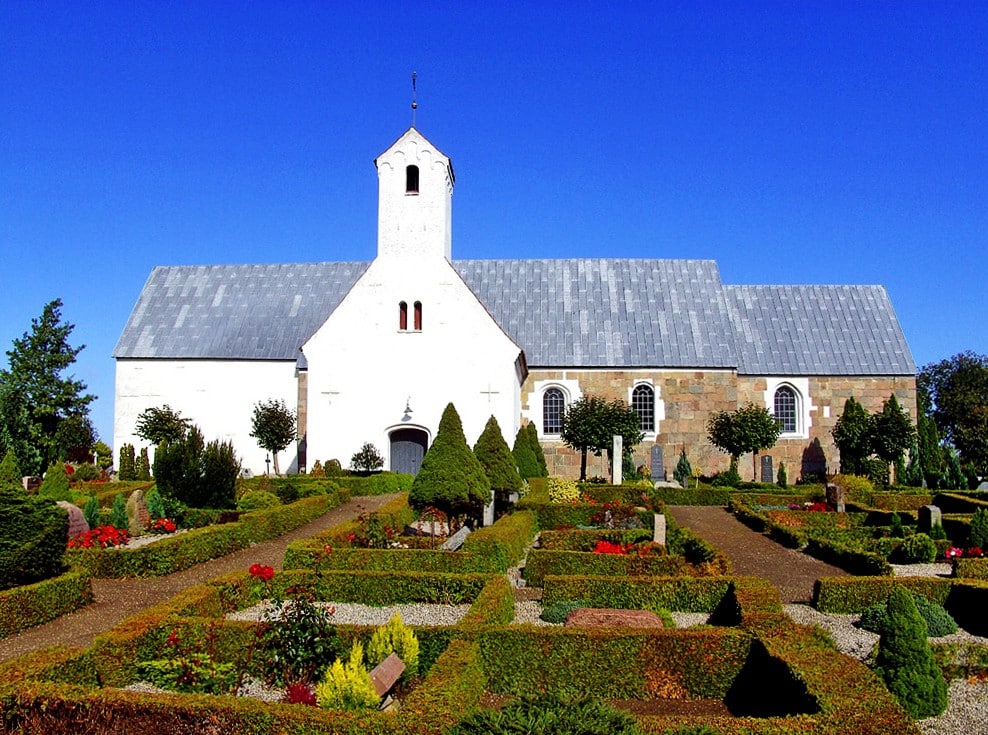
{"points": [[937, 533], [684, 470], [257, 500], [156, 506], [494, 456], [892, 431], [853, 436], [856, 487], [35, 399], [928, 441], [450, 478], [918, 549], [895, 526], [33, 604], [273, 424], [563, 491], [958, 391], [142, 467], [201, 476], [86, 472], [938, 620], [126, 470], [104, 455], [160, 425], [299, 641], [55, 486], [333, 468], [979, 528], [189, 670], [783, 480], [533, 442], [398, 638], [348, 686], [32, 538], [749, 429], [10, 471], [557, 612], [118, 514], [904, 661], [590, 424], [367, 459], [75, 437], [953, 474], [549, 714], [91, 512], [524, 455]]}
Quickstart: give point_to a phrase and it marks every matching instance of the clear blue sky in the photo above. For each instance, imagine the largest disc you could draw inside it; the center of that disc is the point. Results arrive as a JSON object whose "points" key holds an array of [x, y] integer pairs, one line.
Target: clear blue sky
{"points": [[798, 142]]}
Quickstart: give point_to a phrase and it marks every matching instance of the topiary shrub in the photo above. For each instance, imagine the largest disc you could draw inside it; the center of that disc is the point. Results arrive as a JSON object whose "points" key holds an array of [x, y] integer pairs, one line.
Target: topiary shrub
{"points": [[200, 475], [684, 470], [56, 483], [524, 456], [557, 612], [398, 638], [938, 621], [917, 549], [258, 500], [348, 686], [317, 470], [494, 456], [10, 472], [783, 480], [855, 487], [937, 533], [333, 468], [979, 528], [563, 491], [126, 465], [32, 538], [904, 660], [549, 714], [142, 467]]}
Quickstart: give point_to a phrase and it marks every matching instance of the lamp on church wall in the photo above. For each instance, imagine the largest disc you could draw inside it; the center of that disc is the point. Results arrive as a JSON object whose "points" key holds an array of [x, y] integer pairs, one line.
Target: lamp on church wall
{"points": [[408, 410]]}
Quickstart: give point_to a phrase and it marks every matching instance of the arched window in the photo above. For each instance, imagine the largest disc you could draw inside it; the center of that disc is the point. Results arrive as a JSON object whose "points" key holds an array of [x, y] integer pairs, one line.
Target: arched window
{"points": [[402, 316], [786, 409], [643, 403], [411, 179], [418, 316], [553, 405]]}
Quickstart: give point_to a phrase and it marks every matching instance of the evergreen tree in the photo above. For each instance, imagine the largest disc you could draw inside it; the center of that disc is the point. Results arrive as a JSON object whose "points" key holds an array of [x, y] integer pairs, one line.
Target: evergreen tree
{"points": [[91, 512], [118, 513], [684, 470], [32, 538], [928, 441], [10, 472], [905, 662], [536, 445], [104, 456], [494, 456], [979, 528], [852, 434], [56, 483], [142, 468], [450, 478], [126, 472], [783, 480], [524, 456], [953, 476]]}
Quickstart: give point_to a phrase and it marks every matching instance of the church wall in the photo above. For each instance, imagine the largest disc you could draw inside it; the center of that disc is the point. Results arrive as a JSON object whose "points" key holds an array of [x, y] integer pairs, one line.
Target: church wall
{"points": [[217, 395]]}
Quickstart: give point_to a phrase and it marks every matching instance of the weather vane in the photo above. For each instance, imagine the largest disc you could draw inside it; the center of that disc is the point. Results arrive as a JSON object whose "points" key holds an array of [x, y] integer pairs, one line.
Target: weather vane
{"points": [[415, 105]]}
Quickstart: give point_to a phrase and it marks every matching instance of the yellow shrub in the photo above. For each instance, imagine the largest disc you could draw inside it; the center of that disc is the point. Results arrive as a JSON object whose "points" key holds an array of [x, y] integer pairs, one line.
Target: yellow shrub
{"points": [[562, 491], [348, 686], [395, 637]]}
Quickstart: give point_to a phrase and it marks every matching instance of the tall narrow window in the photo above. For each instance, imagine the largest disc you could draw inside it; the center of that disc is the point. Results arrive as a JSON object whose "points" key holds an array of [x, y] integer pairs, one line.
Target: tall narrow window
{"points": [[418, 316], [411, 179], [785, 409], [553, 405], [403, 316], [643, 403]]}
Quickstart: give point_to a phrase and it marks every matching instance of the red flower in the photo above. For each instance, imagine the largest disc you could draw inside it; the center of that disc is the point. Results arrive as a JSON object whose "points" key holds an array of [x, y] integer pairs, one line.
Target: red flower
{"points": [[261, 571], [606, 547], [974, 552], [328, 548]]}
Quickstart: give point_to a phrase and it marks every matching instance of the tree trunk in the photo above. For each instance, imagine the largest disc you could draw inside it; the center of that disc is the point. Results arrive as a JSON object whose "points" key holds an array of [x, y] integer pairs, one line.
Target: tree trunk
{"points": [[274, 455], [583, 464]]}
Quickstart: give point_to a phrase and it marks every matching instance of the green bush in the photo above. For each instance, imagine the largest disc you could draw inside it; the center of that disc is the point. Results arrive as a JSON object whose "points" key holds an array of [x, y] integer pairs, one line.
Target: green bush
{"points": [[55, 486], [33, 604], [348, 686], [557, 612], [198, 474], [126, 466], [86, 472], [904, 661], [398, 638], [494, 456], [91, 512], [917, 549], [257, 500], [548, 714], [524, 456], [938, 620], [32, 538], [851, 595], [979, 528], [10, 472], [118, 517]]}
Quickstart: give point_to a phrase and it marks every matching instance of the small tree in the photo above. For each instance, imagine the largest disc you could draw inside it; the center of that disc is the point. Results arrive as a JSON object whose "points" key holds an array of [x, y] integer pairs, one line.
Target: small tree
{"points": [[159, 425], [684, 470], [928, 442], [979, 528], [749, 429], [74, 438], [274, 426], [118, 513], [783, 479], [591, 423], [104, 456], [56, 483], [853, 436], [126, 471], [904, 660], [10, 472], [367, 459], [524, 456], [451, 478], [494, 456], [893, 432], [142, 467], [536, 445], [200, 475], [91, 512]]}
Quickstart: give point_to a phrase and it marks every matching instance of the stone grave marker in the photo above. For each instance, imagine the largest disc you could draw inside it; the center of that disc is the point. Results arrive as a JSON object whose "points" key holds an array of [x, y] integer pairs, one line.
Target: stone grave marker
{"points": [[77, 521], [617, 467], [454, 542], [835, 497], [138, 516], [767, 474], [657, 464], [386, 674], [659, 529], [929, 516]]}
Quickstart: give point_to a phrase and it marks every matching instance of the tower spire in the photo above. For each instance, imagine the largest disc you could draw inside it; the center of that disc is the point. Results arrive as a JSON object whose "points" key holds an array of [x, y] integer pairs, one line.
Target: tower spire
{"points": [[415, 104]]}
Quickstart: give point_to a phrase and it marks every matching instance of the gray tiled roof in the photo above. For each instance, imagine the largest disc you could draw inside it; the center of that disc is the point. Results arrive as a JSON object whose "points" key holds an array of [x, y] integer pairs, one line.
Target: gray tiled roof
{"points": [[608, 312], [818, 330], [256, 312]]}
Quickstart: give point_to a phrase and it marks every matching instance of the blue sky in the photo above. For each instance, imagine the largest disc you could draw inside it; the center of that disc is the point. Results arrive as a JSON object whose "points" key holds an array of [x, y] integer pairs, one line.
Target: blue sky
{"points": [[793, 142]]}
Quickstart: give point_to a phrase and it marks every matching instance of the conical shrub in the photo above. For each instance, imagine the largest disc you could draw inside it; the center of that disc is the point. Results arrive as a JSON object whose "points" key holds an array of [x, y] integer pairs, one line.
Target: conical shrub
{"points": [[494, 456]]}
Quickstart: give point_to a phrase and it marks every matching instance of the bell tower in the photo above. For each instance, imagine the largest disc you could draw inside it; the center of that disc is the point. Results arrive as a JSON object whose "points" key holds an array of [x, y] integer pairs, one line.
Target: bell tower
{"points": [[415, 199]]}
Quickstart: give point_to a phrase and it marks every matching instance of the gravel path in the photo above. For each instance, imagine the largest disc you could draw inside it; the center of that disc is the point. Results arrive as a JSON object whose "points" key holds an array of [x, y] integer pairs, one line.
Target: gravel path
{"points": [[117, 599]]}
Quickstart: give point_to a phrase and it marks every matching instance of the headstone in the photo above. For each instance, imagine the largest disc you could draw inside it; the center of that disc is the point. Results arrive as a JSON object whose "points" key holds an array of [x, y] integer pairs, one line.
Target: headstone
{"points": [[617, 465], [386, 674], [138, 517], [428, 528], [767, 474], [77, 521], [591, 617], [983, 487], [454, 542], [489, 514], [30, 482], [835, 497], [659, 529], [658, 466], [929, 516]]}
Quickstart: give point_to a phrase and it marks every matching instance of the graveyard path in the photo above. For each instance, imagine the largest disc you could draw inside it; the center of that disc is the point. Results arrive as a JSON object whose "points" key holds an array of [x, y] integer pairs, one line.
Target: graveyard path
{"points": [[117, 599], [756, 555]]}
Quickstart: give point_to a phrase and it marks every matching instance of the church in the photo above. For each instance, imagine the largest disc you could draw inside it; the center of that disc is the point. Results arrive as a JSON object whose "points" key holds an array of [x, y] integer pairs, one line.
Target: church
{"points": [[373, 351]]}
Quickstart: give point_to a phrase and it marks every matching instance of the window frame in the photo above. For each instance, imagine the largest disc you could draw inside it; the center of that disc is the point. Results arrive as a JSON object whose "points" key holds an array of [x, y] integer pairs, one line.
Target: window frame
{"points": [[637, 390], [548, 410]]}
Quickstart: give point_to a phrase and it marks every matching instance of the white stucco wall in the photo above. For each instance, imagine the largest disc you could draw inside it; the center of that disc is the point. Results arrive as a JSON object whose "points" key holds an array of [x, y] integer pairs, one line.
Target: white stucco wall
{"points": [[217, 395]]}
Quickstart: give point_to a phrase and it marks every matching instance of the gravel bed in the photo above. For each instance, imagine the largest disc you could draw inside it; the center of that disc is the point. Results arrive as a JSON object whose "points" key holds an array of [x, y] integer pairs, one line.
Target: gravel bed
{"points": [[937, 569], [150, 538], [350, 613]]}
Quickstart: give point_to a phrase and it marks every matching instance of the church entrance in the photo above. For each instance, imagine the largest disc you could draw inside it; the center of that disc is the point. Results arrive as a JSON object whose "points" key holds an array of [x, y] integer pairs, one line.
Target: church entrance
{"points": [[407, 450]]}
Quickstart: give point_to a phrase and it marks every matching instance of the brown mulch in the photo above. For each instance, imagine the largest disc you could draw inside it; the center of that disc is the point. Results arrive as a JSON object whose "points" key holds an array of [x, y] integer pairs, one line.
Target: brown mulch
{"points": [[117, 599], [755, 555]]}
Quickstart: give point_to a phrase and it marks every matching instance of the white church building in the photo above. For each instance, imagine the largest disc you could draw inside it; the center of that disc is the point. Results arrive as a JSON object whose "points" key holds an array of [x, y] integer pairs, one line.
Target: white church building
{"points": [[373, 352]]}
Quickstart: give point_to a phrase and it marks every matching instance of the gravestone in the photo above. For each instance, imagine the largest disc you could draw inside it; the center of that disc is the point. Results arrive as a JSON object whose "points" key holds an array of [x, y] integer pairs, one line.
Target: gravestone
{"points": [[617, 466], [983, 487], [835, 497], [767, 474], [454, 542], [138, 516], [929, 516], [659, 529], [428, 528], [489, 514], [77, 521], [386, 674], [657, 463]]}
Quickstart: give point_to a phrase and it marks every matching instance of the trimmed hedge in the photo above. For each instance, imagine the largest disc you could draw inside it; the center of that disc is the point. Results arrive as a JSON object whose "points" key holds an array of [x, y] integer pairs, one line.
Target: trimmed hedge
{"points": [[579, 539], [959, 503], [692, 496], [971, 568], [382, 483], [681, 594], [542, 563], [848, 595], [34, 604], [967, 602], [182, 551], [850, 560]]}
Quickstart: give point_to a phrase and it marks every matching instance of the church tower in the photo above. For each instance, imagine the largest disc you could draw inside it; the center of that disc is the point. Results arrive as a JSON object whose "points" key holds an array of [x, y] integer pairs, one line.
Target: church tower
{"points": [[415, 199]]}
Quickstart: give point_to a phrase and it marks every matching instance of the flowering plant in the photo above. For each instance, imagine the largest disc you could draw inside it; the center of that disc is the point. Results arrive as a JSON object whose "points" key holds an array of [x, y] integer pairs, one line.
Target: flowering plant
{"points": [[974, 552], [608, 547], [100, 537], [261, 571], [953, 552], [161, 525], [818, 507]]}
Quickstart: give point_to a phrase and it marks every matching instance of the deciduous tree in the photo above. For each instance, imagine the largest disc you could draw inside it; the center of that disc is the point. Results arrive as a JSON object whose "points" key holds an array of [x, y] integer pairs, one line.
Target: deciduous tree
{"points": [[590, 424], [958, 391], [367, 459], [159, 425], [273, 425], [749, 429]]}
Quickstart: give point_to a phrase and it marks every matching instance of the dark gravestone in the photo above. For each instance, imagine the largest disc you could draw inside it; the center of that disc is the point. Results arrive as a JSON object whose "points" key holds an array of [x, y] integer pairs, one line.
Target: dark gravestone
{"points": [[767, 475], [928, 517], [657, 464]]}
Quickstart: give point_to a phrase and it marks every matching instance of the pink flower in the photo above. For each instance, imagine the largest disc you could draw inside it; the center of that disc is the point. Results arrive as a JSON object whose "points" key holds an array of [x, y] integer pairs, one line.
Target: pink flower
{"points": [[953, 552]]}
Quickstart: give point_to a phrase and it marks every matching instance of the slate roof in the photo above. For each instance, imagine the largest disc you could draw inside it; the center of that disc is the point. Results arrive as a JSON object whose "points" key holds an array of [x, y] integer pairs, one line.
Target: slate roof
{"points": [[563, 313]]}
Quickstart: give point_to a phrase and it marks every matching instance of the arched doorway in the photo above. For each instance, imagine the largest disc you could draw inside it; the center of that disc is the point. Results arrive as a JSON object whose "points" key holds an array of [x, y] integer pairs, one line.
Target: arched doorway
{"points": [[407, 449]]}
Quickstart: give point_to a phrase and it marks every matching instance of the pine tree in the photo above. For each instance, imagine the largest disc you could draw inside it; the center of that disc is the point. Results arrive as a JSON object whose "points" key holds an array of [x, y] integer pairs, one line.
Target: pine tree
{"points": [[684, 470], [142, 468], [528, 465], [905, 662], [56, 483], [533, 441], [494, 456], [979, 528], [450, 478], [928, 442], [118, 513], [126, 471], [91, 511], [10, 472]]}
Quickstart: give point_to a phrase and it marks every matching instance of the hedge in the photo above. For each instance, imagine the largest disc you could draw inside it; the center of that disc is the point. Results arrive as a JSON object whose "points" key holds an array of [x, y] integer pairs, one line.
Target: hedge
{"points": [[580, 539], [33, 604], [542, 563], [692, 496], [851, 595], [961, 659], [680, 594], [175, 553], [971, 568], [958, 503], [381, 483], [854, 561], [967, 602]]}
